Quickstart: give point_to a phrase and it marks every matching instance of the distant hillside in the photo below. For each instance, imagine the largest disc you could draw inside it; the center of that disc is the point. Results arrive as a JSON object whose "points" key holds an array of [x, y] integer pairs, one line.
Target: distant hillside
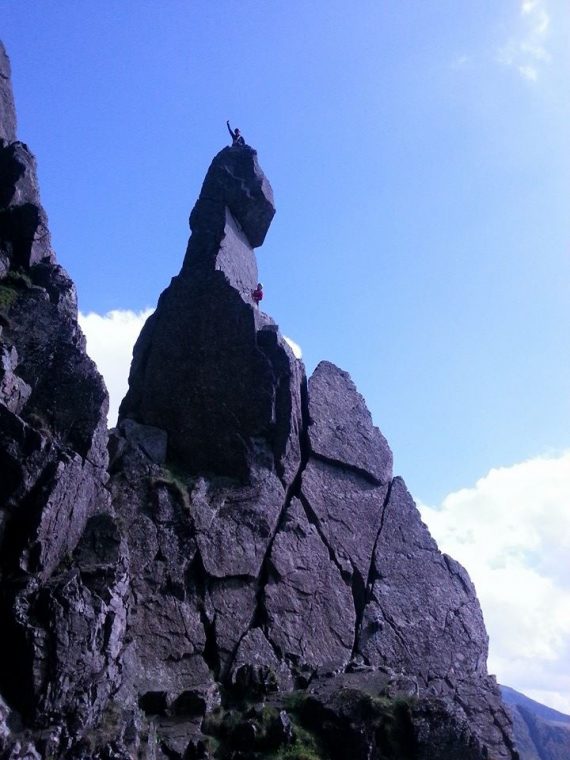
{"points": [[541, 733]]}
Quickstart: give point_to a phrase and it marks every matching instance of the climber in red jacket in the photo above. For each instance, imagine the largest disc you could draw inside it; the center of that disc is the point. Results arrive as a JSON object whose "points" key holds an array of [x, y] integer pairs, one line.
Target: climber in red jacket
{"points": [[257, 294]]}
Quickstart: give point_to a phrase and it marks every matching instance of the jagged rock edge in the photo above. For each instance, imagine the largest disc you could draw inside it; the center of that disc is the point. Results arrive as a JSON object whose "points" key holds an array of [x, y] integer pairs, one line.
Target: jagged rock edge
{"points": [[292, 491]]}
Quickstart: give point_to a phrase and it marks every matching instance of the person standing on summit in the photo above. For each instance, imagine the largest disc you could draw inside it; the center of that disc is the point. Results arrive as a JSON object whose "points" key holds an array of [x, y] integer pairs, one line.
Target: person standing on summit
{"points": [[237, 139]]}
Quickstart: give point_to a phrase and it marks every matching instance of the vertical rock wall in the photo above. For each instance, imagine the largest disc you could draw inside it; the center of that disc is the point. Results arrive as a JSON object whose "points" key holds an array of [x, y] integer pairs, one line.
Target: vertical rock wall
{"points": [[207, 344], [311, 558], [53, 454]]}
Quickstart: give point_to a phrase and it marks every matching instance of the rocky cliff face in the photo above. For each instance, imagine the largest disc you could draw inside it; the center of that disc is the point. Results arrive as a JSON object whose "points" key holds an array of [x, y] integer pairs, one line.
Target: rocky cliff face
{"points": [[53, 440], [243, 577]]}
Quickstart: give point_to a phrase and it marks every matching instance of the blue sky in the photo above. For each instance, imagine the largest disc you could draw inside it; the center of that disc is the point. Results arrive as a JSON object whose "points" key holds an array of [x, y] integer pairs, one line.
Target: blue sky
{"points": [[419, 157]]}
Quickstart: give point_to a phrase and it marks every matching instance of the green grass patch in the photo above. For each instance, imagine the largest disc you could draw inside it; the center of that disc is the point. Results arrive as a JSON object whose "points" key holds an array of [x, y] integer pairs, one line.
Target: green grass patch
{"points": [[176, 481], [11, 286], [18, 278], [8, 296], [306, 746], [295, 701]]}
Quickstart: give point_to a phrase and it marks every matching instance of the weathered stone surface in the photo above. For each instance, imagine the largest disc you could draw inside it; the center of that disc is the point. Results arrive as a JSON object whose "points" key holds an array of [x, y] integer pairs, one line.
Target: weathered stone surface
{"points": [[202, 337], [14, 392], [60, 634], [24, 235], [234, 256], [164, 663], [170, 640], [4, 269], [236, 179], [348, 510], [70, 633], [7, 109], [234, 524], [49, 488], [352, 716], [256, 668], [309, 607], [443, 733], [422, 615], [479, 700], [290, 387], [87, 612], [50, 344], [181, 740], [47, 495], [341, 427], [231, 607], [206, 346], [153, 441]]}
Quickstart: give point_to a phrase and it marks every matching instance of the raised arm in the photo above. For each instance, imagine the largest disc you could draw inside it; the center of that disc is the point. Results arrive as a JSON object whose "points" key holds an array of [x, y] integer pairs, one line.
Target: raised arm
{"points": [[230, 130]]}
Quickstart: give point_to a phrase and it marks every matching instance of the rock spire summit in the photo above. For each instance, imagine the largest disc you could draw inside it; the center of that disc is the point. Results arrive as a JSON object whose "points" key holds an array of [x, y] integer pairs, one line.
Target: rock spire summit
{"points": [[208, 368], [315, 560]]}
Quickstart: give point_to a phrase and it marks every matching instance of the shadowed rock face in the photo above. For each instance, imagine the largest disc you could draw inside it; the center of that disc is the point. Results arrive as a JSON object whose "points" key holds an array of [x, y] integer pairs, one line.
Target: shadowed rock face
{"points": [[340, 427], [248, 539], [445, 637], [24, 236], [7, 110], [207, 344], [53, 455]]}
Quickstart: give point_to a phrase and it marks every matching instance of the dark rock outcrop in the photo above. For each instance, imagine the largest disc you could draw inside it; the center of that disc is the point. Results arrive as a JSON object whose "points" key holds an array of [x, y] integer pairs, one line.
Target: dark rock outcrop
{"points": [[208, 344], [248, 539], [340, 427], [351, 716], [53, 459], [7, 109], [421, 612], [308, 605]]}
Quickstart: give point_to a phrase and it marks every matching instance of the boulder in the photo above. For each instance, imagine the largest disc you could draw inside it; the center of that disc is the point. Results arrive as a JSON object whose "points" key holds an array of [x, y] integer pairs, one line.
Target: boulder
{"points": [[341, 428]]}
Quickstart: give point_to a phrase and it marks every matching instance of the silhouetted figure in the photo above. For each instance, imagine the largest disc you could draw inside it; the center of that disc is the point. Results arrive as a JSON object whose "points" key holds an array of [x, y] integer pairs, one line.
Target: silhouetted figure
{"points": [[237, 139]]}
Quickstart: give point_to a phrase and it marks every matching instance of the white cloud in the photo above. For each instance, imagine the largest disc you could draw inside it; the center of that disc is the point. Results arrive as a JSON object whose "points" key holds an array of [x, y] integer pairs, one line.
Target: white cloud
{"points": [[539, 18], [110, 340], [527, 50], [460, 62], [295, 347], [512, 533], [528, 72]]}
